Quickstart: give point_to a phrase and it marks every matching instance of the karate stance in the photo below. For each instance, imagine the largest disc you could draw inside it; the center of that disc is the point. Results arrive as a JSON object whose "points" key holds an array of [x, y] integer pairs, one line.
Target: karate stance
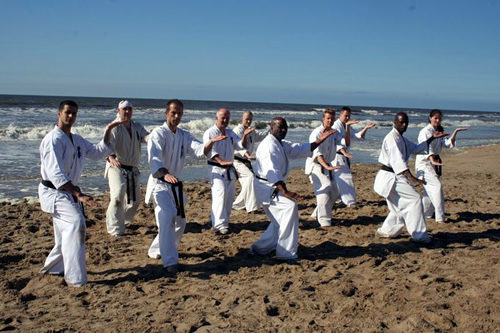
{"points": [[428, 167], [123, 172], [221, 172], [168, 147], [320, 170], [242, 162], [280, 206], [343, 175], [62, 155], [394, 182]]}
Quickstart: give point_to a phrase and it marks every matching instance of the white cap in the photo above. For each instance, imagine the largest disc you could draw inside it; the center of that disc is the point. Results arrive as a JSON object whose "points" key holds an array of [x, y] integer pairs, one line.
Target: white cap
{"points": [[124, 104]]}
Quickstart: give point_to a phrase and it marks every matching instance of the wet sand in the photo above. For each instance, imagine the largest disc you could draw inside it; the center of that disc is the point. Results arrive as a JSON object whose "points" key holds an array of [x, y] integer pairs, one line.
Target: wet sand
{"points": [[347, 279]]}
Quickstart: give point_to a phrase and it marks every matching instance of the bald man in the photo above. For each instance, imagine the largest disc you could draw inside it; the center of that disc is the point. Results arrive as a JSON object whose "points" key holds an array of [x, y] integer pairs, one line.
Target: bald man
{"points": [[243, 164], [221, 172]]}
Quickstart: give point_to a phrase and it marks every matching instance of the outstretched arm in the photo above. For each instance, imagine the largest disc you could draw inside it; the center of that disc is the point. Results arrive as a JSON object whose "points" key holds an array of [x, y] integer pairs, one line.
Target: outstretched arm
{"points": [[111, 125], [362, 133], [455, 132], [322, 138], [212, 141]]}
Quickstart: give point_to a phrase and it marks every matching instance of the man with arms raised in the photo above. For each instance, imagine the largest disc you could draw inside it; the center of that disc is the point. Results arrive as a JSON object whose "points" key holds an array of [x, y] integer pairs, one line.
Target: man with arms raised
{"points": [[343, 175], [242, 162], [221, 171], [62, 155], [280, 204], [320, 170], [122, 171], [394, 182], [168, 147]]}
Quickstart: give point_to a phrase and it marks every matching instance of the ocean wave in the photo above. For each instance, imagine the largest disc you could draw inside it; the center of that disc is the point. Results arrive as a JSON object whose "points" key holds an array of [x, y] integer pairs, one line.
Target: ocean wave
{"points": [[372, 112]]}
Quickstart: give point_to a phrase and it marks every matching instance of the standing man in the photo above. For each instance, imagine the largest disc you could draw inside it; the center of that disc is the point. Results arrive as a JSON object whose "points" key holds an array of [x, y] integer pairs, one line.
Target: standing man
{"points": [[280, 204], [394, 182], [123, 172], [221, 171], [168, 147], [343, 175], [320, 170], [62, 155], [242, 162]]}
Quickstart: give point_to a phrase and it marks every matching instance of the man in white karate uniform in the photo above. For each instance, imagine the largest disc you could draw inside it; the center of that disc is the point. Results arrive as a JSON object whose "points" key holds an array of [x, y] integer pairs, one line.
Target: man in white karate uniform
{"points": [[221, 172], [320, 170], [62, 155], [123, 172], [433, 198], [343, 175], [394, 182], [243, 164], [168, 147], [280, 204]]}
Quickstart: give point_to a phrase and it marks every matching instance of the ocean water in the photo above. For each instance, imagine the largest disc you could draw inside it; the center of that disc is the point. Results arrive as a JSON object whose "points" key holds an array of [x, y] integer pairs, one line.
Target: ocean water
{"points": [[25, 120]]}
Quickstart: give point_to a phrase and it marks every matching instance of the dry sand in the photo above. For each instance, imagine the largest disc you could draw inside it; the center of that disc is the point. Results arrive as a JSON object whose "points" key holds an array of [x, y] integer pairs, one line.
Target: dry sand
{"points": [[347, 279]]}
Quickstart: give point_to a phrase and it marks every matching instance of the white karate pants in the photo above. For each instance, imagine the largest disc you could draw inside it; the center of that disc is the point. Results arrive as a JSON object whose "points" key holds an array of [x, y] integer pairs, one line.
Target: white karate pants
{"points": [[326, 193], [345, 185], [282, 234], [405, 209], [170, 227], [119, 212], [433, 198], [246, 199], [68, 254], [223, 192]]}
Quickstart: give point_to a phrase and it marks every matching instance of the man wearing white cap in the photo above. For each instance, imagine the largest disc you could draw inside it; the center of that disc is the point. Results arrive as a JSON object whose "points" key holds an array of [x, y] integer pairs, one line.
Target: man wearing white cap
{"points": [[122, 170]]}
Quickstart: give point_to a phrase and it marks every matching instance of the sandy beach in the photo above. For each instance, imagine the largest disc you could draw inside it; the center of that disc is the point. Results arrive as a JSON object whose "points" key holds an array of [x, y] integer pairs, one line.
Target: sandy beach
{"points": [[347, 280]]}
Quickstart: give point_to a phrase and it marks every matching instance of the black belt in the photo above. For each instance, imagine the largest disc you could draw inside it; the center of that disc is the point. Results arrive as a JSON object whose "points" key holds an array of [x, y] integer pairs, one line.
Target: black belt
{"points": [[329, 172], [438, 168], [227, 167], [348, 160], [245, 161], [178, 197], [386, 168], [48, 183], [275, 192], [127, 170]]}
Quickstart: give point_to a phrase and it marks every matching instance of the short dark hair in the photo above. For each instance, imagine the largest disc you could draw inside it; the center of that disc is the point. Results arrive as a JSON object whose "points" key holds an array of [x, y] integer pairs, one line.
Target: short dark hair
{"points": [[67, 102], [345, 108], [174, 101], [402, 114]]}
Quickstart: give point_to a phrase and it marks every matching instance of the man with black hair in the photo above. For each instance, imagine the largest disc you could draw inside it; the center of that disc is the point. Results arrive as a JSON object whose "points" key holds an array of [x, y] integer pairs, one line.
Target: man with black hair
{"points": [[394, 182], [280, 204], [62, 155], [343, 175], [168, 147]]}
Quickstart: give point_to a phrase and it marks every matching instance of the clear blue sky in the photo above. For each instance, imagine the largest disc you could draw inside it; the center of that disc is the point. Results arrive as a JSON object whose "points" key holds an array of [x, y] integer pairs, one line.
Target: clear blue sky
{"points": [[426, 54]]}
